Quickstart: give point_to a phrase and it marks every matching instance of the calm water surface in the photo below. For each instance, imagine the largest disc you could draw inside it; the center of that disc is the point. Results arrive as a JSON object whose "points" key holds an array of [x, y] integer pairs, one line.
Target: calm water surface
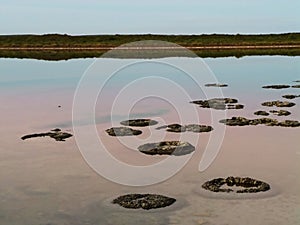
{"points": [[47, 182]]}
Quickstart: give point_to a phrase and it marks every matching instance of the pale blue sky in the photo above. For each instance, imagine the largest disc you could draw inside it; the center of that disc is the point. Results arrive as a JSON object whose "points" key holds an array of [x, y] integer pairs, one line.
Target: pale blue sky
{"points": [[155, 16]]}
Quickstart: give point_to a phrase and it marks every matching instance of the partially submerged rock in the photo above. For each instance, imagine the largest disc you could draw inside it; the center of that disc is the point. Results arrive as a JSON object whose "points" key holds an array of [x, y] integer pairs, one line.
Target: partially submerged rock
{"points": [[56, 134], [279, 104], [144, 201], [248, 185], [123, 131], [139, 122], [216, 85], [291, 96], [280, 112], [241, 121], [176, 148], [277, 86], [296, 86], [219, 103], [261, 113], [177, 128]]}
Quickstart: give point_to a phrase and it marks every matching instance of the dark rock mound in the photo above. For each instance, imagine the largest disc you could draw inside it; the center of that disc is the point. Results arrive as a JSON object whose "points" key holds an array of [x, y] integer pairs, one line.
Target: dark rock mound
{"points": [[278, 104], [196, 128], [177, 128], [241, 121], [144, 201], [280, 112], [122, 131], [296, 86], [277, 86], [176, 148], [55, 134], [219, 103], [261, 113], [297, 81], [291, 96], [139, 122], [248, 185], [216, 85]]}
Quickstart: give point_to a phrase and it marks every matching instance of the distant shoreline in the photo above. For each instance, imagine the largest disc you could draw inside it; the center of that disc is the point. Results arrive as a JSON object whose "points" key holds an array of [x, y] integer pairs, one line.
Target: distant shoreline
{"points": [[155, 48], [64, 47]]}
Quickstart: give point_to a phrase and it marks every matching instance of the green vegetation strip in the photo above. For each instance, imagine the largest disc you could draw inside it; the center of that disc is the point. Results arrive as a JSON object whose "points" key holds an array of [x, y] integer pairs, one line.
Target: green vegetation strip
{"points": [[63, 47]]}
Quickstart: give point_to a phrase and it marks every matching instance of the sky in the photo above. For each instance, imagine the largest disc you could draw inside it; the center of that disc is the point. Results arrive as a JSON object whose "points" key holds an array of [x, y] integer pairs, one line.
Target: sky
{"points": [[155, 16]]}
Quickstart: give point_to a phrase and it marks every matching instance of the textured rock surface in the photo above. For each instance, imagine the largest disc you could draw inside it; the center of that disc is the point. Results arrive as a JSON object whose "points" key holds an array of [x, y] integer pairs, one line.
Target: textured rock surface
{"points": [[291, 96], [56, 134], [122, 131], [241, 121], [248, 185], [176, 148], [278, 104], [280, 112], [139, 122], [216, 85], [261, 113], [196, 128], [219, 103], [144, 201], [277, 86]]}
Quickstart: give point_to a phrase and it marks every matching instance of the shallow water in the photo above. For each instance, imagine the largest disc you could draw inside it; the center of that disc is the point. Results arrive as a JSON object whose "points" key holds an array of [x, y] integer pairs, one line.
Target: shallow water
{"points": [[48, 182]]}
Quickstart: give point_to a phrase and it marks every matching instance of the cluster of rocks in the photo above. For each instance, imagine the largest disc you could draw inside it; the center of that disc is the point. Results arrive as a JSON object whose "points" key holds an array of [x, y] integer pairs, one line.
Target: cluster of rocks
{"points": [[277, 86], [278, 104], [123, 131], [249, 185], [216, 85], [219, 103], [241, 121], [280, 112], [275, 112], [291, 96], [144, 201], [176, 148], [56, 134], [139, 122], [177, 128]]}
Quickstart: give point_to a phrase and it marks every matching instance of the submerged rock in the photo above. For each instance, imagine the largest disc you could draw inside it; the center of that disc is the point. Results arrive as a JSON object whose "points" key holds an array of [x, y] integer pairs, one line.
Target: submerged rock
{"points": [[261, 113], [277, 86], [280, 112], [176, 148], [249, 185], [216, 85], [139, 122], [291, 96], [241, 121], [296, 86], [196, 128], [55, 134], [278, 104], [123, 131], [144, 201], [219, 103]]}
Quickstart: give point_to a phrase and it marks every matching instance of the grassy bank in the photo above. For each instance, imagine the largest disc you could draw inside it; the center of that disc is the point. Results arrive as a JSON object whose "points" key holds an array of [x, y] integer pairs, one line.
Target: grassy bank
{"points": [[11, 43]]}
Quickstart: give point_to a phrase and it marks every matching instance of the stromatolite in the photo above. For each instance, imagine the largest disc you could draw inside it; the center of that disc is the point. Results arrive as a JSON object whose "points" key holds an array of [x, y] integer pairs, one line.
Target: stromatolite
{"points": [[144, 201], [248, 185], [176, 148], [139, 122], [242, 121], [278, 104], [276, 86], [56, 134], [219, 103], [216, 85], [177, 128], [123, 131]]}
